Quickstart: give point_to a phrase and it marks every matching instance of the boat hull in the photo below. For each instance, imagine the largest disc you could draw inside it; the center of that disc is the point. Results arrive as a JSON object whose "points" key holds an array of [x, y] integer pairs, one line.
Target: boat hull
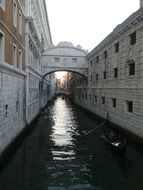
{"points": [[117, 144]]}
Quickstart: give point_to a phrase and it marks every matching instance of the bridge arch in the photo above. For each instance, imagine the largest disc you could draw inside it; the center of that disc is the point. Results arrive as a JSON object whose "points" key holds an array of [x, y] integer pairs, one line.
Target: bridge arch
{"points": [[72, 71], [65, 57]]}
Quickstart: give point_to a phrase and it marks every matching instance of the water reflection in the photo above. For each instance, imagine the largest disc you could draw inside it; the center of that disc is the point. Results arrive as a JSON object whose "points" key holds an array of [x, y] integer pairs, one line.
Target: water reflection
{"points": [[63, 117], [68, 170], [57, 156]]}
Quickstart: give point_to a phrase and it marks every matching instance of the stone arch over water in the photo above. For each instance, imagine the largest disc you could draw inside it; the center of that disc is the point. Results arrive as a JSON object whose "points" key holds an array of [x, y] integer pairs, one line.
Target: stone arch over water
{"points": [[65, 57]]}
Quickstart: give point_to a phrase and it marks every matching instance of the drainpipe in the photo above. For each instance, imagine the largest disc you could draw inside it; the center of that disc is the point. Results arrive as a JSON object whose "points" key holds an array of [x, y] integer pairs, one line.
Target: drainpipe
{"points": [[27, 7], [27, 67]]}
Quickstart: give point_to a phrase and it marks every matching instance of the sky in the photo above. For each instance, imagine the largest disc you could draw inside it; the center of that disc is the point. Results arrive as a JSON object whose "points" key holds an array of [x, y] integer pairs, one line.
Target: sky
{"points": [[60, 74], [86, 22]]}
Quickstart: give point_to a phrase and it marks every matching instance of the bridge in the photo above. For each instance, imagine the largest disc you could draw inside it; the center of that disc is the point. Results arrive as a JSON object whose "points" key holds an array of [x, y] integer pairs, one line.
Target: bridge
{"points": [[65, 57], [62, 91]]}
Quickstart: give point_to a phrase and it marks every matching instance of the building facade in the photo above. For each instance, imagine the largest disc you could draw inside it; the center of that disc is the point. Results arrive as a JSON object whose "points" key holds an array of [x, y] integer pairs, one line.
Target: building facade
{"points": [[115, 76], [12, 70], [37, 39], [24, 36]]}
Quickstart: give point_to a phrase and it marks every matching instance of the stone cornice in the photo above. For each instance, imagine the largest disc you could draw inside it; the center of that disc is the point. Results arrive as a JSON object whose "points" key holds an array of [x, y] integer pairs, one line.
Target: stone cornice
{"points": [[58, 55], [5, 67], [66, 47], [118, 31]]}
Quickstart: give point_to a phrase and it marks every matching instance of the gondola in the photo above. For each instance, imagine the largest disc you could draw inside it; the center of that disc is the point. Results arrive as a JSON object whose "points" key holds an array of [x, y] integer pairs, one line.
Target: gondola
{"points": [[116, 141]]}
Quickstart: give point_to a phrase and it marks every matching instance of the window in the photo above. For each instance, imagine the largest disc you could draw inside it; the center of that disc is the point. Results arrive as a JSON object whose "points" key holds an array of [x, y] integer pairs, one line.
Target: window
{"points": [[6, 110], [95, 98], [116, 46], [113, 102], [14, 56], [97, 77], [2, 4], [20, 22], [105, 54], [20, 59], [74, 60], [56, 59], [17, 105], [115, 72], [104, 74], [133, 38], [79, 95], [90, 77], [83, 95], [129, 105], [89, 96], [132, 68], [103, 100], [91, 62], [15, 13], [2, 47], [97, 59]]}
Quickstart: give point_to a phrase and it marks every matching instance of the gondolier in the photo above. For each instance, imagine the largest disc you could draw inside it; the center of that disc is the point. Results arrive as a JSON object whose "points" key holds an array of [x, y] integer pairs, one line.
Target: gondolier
{"points": [[105, 126]]}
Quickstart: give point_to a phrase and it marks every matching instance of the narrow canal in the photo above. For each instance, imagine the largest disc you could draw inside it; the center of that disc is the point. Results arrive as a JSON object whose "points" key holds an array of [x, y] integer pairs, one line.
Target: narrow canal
{"points": [[57, 156]]}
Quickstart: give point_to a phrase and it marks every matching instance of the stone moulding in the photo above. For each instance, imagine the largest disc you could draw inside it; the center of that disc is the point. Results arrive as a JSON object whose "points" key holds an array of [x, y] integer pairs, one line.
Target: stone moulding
{"points": [[8, 68]]}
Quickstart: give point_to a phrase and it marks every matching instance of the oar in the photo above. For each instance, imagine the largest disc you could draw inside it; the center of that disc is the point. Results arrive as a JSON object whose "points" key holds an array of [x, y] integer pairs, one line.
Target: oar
{"points": [[88, 132]]}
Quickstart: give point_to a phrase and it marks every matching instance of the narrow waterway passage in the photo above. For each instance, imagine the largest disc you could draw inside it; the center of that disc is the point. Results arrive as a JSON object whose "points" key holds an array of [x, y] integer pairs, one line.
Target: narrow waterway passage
{"points": [[57, 156]]}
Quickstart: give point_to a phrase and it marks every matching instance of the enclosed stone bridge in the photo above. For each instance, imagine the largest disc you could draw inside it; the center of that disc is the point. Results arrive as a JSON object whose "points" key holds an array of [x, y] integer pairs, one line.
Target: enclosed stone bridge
{"points": [[62, 91], [64, 57]]}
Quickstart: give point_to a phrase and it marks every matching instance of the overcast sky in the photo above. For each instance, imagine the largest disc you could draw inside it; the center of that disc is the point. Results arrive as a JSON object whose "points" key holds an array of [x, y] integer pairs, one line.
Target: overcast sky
{"points": [[86, 22]]}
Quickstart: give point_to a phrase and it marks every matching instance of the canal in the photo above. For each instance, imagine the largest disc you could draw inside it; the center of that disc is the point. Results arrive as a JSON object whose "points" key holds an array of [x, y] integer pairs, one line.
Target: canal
{"points": [[57, 156]]}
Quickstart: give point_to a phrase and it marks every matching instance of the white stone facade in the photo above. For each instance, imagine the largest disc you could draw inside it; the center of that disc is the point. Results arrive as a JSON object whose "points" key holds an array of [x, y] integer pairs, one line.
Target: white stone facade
{"points": [[12, 105], [38, 38], [65, 57], [115, 78]]}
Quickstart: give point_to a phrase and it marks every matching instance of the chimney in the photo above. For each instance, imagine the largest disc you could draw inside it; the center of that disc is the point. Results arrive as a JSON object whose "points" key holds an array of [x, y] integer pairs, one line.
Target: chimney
{"points": [[141, 3]]}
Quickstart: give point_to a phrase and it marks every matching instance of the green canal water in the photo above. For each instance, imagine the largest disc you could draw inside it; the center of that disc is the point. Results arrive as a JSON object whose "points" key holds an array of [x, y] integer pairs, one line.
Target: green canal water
{"points": [[57, 156]]}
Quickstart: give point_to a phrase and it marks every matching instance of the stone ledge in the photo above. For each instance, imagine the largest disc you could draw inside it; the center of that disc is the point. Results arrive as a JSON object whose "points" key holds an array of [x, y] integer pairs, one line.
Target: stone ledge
{"points": [[4, 67]]}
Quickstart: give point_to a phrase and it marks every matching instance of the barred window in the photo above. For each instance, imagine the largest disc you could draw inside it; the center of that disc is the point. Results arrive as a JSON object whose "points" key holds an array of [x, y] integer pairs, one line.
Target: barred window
{"points": [[113, 102], [97, 59], [95, 98], [103, 99], [105, 54], [74, 60], [132, 68], [129, 105], [104, 74], [97, 77], [133, 38], [116, 46], [115, 72]]}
